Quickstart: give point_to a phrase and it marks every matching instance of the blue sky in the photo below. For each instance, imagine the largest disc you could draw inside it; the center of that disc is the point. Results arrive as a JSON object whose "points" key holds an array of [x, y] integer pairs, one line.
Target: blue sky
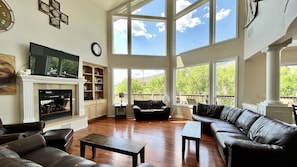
{"points": [[192, 30]]}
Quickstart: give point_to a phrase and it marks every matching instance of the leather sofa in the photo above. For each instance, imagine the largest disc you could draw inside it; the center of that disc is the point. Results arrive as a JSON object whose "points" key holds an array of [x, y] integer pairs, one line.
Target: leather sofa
{"points": [[32, 151], [245, 138], [150, 110], [10, 132]]}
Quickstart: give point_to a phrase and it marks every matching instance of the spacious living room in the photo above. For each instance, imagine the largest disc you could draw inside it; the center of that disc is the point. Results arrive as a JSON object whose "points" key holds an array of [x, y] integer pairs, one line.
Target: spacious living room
{"points": [[87, 66]]}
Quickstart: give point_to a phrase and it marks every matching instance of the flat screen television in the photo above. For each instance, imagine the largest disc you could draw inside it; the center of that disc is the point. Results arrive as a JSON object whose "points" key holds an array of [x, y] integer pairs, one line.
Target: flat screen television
{"points": [[50, 62]]}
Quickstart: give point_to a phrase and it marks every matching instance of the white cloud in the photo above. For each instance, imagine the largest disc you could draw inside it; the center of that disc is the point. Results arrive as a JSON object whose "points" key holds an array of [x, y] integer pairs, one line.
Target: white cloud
{"points": [[221, 14], [120, 27], [161, 26], [182, 4], [187, 21], [139, 29]]}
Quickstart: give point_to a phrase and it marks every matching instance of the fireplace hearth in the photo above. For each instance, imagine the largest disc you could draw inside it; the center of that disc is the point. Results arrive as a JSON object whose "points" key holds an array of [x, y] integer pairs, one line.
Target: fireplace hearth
{"points": [[55, 103]]}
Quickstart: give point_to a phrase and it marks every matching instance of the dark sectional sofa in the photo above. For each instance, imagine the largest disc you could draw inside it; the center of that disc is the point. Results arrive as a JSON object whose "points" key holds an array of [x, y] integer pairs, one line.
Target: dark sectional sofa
{"points": [[150, 110], [247, 139]]}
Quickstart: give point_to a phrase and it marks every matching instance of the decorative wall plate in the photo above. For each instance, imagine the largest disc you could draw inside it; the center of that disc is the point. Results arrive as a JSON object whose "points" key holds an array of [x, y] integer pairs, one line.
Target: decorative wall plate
{"points": [[6, 16]]}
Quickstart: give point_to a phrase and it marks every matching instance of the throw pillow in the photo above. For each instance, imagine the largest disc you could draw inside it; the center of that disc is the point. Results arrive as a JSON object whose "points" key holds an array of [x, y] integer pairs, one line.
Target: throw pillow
{"points": [[202, 109], [215, 111]]}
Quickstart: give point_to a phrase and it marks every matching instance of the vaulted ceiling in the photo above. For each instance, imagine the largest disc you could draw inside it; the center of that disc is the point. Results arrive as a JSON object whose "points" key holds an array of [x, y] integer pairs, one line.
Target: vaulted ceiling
{"points": [[108, 5]]}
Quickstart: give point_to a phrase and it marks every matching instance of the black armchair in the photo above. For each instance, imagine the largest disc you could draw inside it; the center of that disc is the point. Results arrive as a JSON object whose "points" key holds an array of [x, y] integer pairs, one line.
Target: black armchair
{"points": [[10, 132]]}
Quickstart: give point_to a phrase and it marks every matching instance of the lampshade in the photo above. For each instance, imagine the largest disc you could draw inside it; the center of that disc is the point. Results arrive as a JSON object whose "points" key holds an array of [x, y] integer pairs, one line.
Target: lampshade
{"points": [[121, 94], [166, 99]]}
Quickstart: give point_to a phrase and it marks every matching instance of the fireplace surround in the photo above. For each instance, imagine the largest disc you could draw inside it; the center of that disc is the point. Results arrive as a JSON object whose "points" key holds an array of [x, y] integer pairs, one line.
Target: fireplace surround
{"points": [[55, 103], [29, 86]]}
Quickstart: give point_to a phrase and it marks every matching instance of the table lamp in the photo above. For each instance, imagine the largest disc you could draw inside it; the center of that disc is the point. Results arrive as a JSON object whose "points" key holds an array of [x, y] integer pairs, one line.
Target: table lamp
{"points": [[121, 95]]}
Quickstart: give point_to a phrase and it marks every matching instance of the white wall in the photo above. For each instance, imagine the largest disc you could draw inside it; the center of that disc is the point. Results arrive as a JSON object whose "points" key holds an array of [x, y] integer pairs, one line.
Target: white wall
{"points": [[31, 25], [268, 28], [271, 24]]}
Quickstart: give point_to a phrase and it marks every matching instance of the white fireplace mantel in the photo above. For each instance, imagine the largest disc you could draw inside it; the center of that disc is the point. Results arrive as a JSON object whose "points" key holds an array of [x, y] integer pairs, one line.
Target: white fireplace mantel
{"points": [[27, 93]]}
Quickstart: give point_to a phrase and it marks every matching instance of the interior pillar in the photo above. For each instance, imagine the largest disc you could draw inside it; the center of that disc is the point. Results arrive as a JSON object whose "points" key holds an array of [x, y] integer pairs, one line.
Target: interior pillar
{"points": [[272, 106]]}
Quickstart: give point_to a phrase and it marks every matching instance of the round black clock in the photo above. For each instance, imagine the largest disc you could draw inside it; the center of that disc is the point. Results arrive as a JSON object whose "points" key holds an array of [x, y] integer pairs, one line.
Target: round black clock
{"points": [[96, 49]]}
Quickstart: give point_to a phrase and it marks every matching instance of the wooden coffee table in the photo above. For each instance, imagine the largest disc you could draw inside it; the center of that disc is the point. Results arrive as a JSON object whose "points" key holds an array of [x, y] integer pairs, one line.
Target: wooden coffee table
{"points": [[191, 131], [115, 144]]}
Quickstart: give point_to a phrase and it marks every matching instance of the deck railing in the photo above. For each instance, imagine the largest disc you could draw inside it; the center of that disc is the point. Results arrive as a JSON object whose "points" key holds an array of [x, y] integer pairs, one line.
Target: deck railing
{"points": [[192, 99]]}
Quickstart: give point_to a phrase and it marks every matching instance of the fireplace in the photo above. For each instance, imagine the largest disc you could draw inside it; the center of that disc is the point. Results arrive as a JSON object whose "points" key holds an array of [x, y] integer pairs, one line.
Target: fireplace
{"points": [[55, 103]]}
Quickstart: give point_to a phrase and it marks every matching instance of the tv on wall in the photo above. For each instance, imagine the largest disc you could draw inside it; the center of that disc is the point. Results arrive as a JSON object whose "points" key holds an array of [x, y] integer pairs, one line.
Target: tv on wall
{"points": [[50, 62]]}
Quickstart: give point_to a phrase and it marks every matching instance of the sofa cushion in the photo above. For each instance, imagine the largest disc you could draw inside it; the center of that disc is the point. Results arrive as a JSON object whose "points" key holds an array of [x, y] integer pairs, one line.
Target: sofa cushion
{"points": [[72, 160], [230, 113], [157, 104], [55, 154], [245, 120], [17, 162], [269, 131], [222, 137], [213, 111], [7, 153], [224, 127], [143, 104]]}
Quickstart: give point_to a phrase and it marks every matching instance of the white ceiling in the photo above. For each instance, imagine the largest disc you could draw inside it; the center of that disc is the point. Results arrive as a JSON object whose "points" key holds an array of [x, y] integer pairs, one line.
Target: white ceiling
{"points": [[107, 5]]}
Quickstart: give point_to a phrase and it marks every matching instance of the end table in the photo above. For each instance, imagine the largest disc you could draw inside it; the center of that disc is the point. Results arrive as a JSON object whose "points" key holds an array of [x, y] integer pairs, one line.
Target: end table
{"points": [[120, 111]]}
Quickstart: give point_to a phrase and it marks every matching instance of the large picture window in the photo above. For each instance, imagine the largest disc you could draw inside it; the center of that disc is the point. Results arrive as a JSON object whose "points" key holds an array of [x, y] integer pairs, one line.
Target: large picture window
{"points": [[193, 23], [120, 85], [148, 84], [192, 29], [192, 85], [148, 38], [120, 35]]}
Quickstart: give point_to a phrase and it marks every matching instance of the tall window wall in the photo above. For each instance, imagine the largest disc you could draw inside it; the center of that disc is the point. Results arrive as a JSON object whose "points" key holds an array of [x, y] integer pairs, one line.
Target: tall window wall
{"points": [[202, 23], [139, 28], [288, 84], [193, 84], [142, 28], [145, 84]]}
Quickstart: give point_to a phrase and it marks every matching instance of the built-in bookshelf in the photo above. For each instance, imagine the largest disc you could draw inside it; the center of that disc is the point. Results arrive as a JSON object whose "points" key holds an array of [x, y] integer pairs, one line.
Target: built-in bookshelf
{"points": [[94, 90]]}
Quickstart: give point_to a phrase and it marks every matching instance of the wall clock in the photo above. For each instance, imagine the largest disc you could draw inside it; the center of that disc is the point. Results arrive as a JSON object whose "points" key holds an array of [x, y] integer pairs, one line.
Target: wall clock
{"points": [[6, 16], [96, 49]]}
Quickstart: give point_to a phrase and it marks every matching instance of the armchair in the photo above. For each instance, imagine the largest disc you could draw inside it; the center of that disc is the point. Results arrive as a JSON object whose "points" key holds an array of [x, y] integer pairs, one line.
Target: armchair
{"points": [[10, 132]]}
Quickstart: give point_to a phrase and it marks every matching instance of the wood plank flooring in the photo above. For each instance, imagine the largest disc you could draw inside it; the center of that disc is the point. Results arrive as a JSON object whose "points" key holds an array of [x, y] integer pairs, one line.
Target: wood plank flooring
{"points": [[164, 143]]}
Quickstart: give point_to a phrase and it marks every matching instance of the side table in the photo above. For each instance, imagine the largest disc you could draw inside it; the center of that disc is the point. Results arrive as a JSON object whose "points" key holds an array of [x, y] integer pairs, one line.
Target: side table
{"points": [[120, 111]]}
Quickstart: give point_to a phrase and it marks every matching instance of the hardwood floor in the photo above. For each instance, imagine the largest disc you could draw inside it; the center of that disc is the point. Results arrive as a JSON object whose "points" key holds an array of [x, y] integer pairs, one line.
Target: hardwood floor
{"points": [[164, 143]]}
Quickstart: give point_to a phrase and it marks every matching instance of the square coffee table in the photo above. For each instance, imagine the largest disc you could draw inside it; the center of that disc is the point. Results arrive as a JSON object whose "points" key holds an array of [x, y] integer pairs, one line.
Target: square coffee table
{"points": [[115, 144]]}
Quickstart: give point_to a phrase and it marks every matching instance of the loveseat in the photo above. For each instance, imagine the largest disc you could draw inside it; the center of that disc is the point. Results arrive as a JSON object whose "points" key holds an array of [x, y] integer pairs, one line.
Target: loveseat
{"points": [[150, 110], [32, 151], [245, 138], [10, 132]]}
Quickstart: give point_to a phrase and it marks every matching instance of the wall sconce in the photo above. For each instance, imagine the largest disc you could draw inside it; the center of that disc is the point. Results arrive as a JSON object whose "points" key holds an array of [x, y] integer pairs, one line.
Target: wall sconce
{"points": [[121, 95]]}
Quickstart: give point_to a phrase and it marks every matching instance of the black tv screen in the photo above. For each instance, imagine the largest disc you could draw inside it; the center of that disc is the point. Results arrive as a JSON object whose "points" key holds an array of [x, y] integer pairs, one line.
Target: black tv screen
{"points": [[50, 62]]}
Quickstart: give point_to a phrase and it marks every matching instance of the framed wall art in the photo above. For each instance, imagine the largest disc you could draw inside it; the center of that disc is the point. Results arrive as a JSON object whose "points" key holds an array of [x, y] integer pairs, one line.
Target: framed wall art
{"points": [[54, 22], [7, 75], [43, 7], [54, 13], [64, 18]]}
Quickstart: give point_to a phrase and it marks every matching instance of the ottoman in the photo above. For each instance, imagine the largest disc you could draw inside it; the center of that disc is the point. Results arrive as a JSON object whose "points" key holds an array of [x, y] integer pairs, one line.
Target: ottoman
{"points": [[59, 138]]}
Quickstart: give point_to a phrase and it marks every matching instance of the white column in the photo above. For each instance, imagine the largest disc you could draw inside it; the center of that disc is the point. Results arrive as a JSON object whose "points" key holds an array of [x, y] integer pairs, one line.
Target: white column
{"points": [[81, 107], [273, 55], [272, 106], [27, 100]]}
